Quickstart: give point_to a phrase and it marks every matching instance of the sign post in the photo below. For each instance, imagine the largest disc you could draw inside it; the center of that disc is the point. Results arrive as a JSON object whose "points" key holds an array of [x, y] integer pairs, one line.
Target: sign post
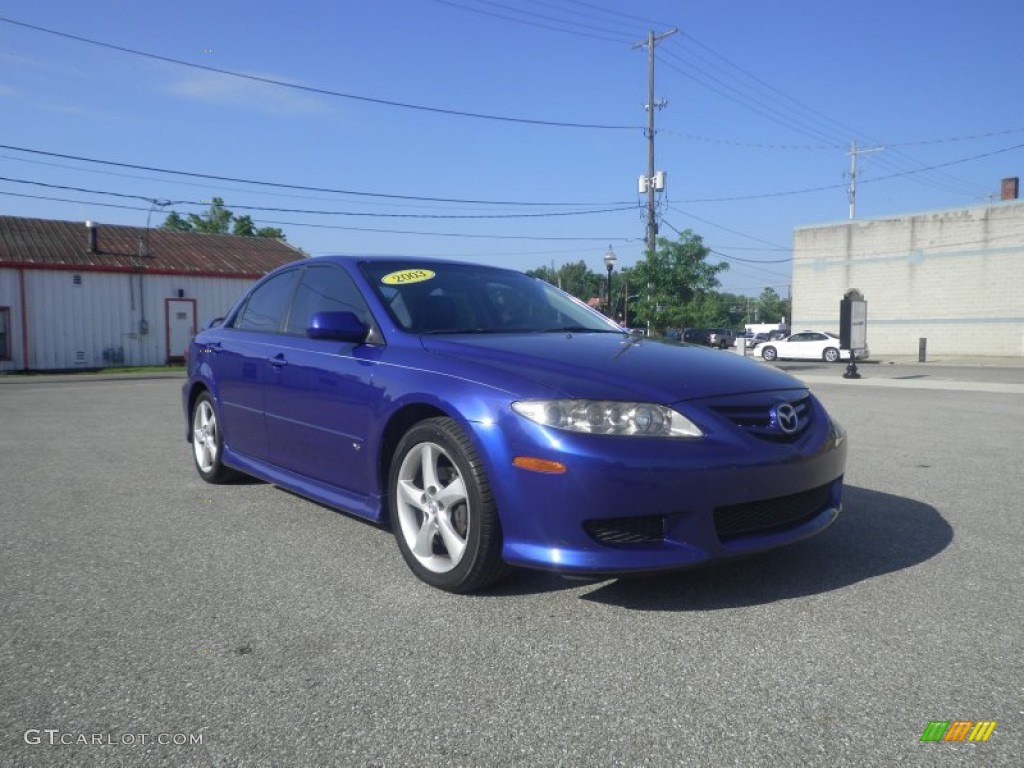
{"points": [[853, 328]]}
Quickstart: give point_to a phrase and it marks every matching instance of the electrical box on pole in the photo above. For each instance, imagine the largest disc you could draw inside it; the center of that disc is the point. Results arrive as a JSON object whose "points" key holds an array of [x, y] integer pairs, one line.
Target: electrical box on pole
{"points": [[650, 183]]}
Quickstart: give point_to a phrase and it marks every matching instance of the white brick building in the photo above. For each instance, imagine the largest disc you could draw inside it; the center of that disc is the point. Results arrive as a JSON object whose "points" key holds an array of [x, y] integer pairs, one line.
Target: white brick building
{"points": [[953, 277]]}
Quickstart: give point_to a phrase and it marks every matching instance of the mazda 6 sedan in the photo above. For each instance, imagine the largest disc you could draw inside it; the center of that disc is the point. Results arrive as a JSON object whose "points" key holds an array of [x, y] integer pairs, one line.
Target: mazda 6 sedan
{"points": [[491, 420]]}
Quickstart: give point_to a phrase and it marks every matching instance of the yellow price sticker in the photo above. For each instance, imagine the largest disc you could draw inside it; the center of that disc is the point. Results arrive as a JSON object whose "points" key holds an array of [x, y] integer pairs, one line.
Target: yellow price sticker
{"points": [[406, 276]]}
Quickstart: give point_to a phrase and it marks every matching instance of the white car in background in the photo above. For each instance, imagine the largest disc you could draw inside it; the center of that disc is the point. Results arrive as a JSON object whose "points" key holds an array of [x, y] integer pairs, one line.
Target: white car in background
{"points": [[808, 345]]}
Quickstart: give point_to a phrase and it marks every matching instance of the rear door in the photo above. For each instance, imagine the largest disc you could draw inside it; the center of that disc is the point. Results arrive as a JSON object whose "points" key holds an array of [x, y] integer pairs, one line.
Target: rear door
{"points": [[240, 361]]}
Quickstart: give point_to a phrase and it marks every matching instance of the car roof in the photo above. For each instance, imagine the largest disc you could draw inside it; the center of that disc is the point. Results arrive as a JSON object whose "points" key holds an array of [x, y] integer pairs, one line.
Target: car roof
{"points": [[342, 258]]}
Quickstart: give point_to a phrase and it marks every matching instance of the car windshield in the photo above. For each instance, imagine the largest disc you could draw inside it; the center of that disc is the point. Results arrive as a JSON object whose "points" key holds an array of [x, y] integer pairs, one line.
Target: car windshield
{"points": [[429, 297]]}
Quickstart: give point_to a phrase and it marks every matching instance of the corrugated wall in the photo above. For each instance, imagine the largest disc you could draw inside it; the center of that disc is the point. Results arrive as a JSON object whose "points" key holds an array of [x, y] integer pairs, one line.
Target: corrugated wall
{"points": [[94, 319]]}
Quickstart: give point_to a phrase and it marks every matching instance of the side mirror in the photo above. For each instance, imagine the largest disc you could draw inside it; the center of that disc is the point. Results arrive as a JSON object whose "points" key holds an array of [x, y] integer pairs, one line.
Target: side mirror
{"points": [[338, 326]]}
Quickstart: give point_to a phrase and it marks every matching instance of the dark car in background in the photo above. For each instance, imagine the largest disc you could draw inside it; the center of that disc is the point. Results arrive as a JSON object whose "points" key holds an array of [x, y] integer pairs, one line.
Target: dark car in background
{"points": [[492, 420], [697, 336]]}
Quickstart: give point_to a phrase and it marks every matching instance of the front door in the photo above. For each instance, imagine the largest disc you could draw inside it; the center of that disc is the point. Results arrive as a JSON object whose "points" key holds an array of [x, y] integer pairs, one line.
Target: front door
{"points": [[181, 327]]}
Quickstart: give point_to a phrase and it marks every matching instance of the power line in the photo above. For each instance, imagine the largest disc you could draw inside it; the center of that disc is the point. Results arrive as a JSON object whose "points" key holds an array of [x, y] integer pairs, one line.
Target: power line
{"points": [[774, 246], [615, 38], [601, 239], [76, 202], [887, 177], [644, 21], [310, 212], [282, 185], [819, 147], [616, 239], [319, 91], [752, 261], [899, 159]]}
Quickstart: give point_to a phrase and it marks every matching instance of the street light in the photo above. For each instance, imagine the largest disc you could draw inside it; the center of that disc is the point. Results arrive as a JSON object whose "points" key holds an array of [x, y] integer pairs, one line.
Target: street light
{"points": [[609, 262]]}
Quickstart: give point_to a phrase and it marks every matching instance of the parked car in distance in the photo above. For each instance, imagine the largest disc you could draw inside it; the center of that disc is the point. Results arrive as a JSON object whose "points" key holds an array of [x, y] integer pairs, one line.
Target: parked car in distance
{"points": [[722, 338], [492, 420], [697, 336], [756, 339], [808, 345]]}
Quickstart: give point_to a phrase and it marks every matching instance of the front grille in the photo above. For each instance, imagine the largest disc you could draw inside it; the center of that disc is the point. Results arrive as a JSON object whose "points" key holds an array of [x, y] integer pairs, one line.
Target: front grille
{"points": [[757, 419], [646, 529], [770, 515]]}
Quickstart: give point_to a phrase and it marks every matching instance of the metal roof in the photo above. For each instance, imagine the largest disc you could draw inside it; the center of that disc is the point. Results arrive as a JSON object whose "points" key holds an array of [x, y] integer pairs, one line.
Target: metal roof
{"points": [[50, 244]]}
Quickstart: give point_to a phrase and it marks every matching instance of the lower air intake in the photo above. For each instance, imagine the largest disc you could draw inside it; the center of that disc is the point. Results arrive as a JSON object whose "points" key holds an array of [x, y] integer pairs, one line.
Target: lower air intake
{"points": [[646, 529], [770, 515]]}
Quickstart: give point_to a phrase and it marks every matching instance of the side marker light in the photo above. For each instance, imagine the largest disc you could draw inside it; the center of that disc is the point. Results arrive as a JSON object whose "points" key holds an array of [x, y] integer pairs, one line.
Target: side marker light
{"points": [[539, 465]]}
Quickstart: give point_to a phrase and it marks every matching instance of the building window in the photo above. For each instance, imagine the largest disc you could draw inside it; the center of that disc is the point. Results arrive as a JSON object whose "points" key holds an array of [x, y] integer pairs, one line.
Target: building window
{"points": [[5, 333], [76, 280]]}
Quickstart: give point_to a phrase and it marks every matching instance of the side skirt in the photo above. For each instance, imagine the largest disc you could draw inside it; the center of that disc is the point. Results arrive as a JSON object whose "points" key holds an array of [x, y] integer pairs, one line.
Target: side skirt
{"points": [[367, 507]]}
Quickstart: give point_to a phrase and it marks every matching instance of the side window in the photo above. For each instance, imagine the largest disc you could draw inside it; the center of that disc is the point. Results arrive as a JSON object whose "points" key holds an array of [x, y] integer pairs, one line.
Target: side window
{"points": [[264, 311], [325, 289]]}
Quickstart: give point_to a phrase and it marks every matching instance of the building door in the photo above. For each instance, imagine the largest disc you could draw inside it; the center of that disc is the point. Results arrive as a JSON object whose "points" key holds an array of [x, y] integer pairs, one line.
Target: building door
{"points": [[181, 327]]}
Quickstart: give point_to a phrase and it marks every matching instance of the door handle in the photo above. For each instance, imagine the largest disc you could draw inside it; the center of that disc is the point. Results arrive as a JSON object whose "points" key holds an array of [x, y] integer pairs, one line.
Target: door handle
{"points": [[278, 360]]}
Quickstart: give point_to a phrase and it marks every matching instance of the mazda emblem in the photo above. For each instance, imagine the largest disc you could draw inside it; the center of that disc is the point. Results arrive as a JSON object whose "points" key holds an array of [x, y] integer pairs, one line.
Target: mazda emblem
{"points": [[786, 418]]}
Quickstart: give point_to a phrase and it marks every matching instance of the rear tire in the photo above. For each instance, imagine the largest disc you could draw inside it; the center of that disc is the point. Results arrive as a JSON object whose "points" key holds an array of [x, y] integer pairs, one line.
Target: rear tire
{"points": [[830, 355], [768, 353], [442, 512]]}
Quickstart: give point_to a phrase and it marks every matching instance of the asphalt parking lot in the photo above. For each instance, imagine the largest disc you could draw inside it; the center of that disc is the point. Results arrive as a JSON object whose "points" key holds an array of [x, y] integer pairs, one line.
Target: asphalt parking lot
{"points": [[149, 619]]}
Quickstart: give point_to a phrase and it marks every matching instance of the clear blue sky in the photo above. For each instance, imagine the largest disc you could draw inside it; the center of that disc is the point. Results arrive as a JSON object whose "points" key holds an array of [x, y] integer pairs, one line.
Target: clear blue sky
{"points": [[764, 99]]}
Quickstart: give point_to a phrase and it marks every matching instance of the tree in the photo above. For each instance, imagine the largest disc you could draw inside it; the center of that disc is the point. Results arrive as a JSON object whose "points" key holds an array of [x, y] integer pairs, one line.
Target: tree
{"points": [[574, 278], [175, 222], [218, 220], [675, 285], [772, 308], [244, 227]]}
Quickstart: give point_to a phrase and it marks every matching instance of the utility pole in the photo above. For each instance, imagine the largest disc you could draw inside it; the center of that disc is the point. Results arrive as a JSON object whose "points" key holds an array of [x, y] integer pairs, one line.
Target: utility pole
{"points": [[652, 181], [853, 174]]}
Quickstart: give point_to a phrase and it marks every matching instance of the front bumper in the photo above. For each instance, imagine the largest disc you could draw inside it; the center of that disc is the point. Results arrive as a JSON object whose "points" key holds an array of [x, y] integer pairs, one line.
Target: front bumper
{"points": [[629, 505]]}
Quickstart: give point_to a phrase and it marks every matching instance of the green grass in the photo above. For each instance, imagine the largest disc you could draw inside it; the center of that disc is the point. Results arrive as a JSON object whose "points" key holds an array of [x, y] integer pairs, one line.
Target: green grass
{"points": [[139, 369], [114, 370]]}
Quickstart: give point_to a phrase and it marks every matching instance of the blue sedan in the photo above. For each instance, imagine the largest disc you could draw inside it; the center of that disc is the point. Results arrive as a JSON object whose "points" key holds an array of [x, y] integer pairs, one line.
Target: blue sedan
{"points": [[493, 421]]}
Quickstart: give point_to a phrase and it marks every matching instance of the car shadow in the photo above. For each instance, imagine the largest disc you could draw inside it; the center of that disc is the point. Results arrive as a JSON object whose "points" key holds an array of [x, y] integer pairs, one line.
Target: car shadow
{"points": [[877, 533]]}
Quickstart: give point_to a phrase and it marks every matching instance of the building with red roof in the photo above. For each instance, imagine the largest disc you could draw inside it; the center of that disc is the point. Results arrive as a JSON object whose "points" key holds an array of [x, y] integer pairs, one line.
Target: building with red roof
{"points": [[81, 295]]}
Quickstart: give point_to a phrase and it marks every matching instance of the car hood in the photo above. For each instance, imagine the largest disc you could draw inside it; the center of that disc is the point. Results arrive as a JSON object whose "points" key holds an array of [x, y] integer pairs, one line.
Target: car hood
{"points": [[605, 366]]}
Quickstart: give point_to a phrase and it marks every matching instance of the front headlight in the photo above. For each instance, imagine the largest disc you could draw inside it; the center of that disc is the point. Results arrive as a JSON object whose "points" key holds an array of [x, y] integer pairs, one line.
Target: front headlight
{"points": [[608, 417]]}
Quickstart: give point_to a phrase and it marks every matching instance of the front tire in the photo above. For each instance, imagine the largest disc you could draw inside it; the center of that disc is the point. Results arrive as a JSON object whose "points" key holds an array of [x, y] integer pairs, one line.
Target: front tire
{"points": [[207, 442], [442, 511], [831, 355], [769, 354]]}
